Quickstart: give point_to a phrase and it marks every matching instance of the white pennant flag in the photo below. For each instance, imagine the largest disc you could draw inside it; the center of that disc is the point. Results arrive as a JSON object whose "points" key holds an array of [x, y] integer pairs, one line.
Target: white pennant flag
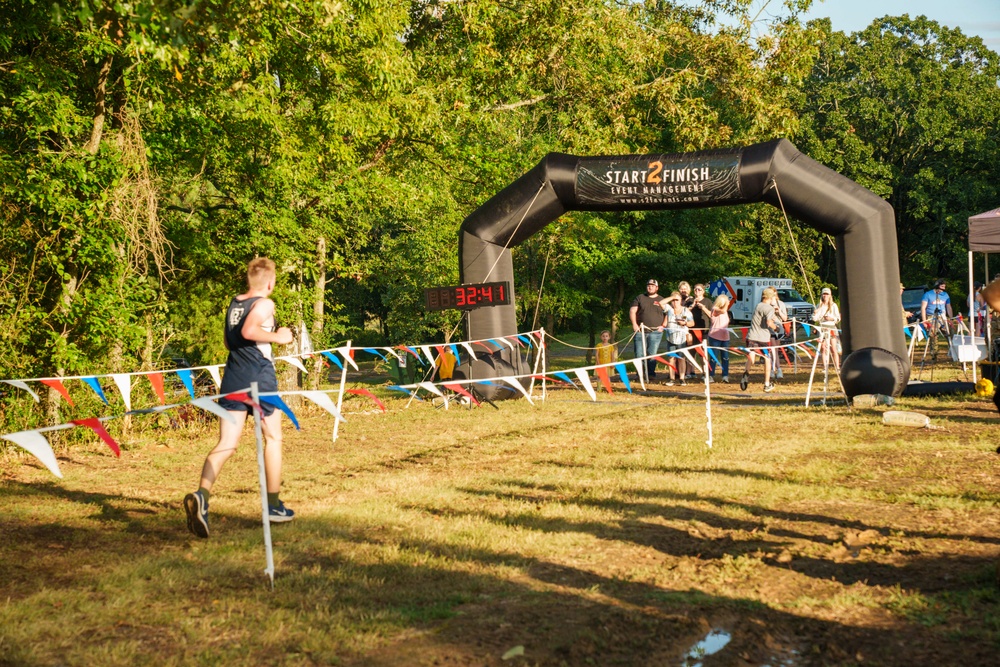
{"points": [[585, 381], [697, 368], [468, 347], [22, 385], [505, 342], [345, 352], [35, 442], [213, 407], [429, 387], [391, 351], [294, 361], [517, 385], [124, 382], [639, 373], [214, 372], [427, 353], [322, 399]]}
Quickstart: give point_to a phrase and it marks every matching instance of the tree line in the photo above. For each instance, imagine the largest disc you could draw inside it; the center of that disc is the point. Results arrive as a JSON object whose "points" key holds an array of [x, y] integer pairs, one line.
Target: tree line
{"points": [[148, 150]]}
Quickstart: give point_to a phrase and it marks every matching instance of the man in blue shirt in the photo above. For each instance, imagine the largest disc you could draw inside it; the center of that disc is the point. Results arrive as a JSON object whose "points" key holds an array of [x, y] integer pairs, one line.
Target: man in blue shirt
{"points": [[935, 305]]}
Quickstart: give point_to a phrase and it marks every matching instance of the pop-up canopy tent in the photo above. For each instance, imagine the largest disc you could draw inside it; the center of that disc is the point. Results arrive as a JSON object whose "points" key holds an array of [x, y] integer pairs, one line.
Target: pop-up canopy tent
{"points": [[984, 236]]}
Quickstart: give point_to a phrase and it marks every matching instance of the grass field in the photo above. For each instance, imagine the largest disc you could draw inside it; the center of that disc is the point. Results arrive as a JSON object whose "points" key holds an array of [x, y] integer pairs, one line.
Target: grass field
{"points": [[572, 532]]}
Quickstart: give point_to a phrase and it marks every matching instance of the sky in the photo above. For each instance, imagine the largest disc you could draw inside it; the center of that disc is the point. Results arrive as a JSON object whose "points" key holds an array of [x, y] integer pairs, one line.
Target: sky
{"points": [[974, 17]]}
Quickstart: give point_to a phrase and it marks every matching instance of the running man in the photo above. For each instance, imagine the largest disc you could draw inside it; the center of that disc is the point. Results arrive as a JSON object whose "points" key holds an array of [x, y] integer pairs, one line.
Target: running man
{"points": [[249, 332]]}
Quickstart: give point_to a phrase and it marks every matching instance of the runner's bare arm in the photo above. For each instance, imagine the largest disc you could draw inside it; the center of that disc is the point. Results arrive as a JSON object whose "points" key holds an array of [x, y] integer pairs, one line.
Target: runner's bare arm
{"points": [[253, 326]]}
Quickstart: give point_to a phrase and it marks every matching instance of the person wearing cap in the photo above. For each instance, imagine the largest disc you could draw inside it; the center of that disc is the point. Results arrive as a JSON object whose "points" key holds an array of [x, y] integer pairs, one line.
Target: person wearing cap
{"points": [[827, 315], [935, 305], [648, 320]]}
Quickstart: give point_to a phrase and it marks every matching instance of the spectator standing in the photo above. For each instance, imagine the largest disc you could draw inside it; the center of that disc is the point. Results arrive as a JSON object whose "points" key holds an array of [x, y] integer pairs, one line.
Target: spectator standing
{"points": [[761, 323], [701, 309], [781, 313], [648, 320], [678, 321], [718, 336], [906, 313], [827, 315], [936, 304]]}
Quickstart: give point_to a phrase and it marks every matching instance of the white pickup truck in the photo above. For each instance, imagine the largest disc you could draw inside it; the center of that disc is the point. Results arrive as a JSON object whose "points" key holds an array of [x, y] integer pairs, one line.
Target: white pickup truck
{"points": [[744, 295]]}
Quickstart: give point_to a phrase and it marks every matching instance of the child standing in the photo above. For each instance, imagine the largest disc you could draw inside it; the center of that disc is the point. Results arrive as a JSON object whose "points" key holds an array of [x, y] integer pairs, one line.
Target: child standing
{"points": [[606, 352]]}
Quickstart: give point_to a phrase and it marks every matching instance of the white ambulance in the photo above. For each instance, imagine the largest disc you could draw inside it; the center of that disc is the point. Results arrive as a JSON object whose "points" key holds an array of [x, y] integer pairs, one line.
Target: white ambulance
{"points": [[744, 295]]}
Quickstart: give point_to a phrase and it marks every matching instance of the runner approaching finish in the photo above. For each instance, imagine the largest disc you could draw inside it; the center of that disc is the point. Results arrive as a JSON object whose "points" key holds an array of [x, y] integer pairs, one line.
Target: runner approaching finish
{"points": [[249, 332]]}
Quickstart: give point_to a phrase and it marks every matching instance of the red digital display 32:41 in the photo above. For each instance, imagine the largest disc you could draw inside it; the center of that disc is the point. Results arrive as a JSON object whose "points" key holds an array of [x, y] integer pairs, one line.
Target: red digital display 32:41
{"points": [[467, 297]]}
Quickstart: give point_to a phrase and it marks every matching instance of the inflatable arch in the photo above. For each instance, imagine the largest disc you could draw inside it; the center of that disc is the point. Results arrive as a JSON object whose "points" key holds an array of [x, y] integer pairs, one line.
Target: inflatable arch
{"points": [[875, 359]]}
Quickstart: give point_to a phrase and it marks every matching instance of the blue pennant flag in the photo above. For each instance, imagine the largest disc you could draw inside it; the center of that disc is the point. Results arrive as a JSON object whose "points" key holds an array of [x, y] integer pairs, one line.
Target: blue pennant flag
{"points": [[185, 376], [623, 374], [372, 350], [714, 358], [565, 378], [525, 339], [280, 404], [96, 386], [454, 351], [332, 357], [808, 329], [396, 387]]}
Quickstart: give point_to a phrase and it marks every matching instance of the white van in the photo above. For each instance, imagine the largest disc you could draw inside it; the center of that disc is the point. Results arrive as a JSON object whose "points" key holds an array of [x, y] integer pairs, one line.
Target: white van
{"points": [[744, 295]]}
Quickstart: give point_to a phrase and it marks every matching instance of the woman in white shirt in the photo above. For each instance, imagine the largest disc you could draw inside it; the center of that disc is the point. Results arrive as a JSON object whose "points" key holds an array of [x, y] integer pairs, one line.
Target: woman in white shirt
{"points": [[678, 320], [827, 315]]}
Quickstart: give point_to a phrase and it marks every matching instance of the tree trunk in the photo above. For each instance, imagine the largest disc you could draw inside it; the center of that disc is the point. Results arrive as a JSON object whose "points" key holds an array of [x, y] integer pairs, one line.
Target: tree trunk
{"points": [[319, 299], [99, 107], [53, 398]]}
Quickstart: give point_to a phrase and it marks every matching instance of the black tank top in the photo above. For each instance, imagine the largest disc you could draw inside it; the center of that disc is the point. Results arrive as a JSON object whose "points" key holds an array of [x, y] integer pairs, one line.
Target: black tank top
{"points": [[249, 361]]}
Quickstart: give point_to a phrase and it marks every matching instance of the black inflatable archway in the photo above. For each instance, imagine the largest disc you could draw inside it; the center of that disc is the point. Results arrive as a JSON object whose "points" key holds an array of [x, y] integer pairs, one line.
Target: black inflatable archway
{"points": [[875, 358]]}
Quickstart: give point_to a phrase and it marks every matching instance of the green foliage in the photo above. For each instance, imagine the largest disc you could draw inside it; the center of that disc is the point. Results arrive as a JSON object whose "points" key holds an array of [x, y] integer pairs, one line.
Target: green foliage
{"points": [[149, 150], [908, 108]]}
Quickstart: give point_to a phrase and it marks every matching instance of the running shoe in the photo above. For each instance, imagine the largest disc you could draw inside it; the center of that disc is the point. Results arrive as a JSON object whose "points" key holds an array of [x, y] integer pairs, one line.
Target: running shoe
{"points": [[196, 508], [769, 387], [725, 379], [280, 513]]}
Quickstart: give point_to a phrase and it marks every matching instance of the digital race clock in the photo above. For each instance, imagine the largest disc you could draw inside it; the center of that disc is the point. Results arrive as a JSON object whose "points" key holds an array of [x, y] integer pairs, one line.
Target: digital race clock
{"points": [[467, 297]]}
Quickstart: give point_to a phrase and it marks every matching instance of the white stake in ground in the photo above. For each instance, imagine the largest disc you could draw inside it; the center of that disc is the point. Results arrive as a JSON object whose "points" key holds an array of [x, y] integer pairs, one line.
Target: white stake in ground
{"points": [[340, 396], [265, 516], [708, 395]]}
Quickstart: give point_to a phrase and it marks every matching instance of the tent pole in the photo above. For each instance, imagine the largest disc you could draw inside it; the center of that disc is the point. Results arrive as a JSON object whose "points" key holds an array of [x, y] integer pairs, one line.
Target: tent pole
{"points": [[972, 316]]}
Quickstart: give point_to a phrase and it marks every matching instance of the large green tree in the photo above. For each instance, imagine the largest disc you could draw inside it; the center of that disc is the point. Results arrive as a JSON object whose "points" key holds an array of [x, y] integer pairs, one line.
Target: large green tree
{"points": [[909, 109]]}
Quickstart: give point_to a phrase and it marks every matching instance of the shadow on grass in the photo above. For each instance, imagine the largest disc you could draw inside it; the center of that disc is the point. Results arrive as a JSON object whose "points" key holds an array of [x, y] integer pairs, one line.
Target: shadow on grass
{"points": [[416, 597]]}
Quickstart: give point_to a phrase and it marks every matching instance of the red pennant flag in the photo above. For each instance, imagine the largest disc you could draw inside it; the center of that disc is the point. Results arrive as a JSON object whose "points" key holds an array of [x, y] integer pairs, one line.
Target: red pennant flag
{"points": [[365, 392], [743, 330], [403, 347], [440, 351], [700, 351], [697, 334], [156, 379], [488, 348], [785, 355], [94, 424], [58, 386], [666, 363], [551, 379], [458, 389], [788, 328], [244, 397], [602, 373]]}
